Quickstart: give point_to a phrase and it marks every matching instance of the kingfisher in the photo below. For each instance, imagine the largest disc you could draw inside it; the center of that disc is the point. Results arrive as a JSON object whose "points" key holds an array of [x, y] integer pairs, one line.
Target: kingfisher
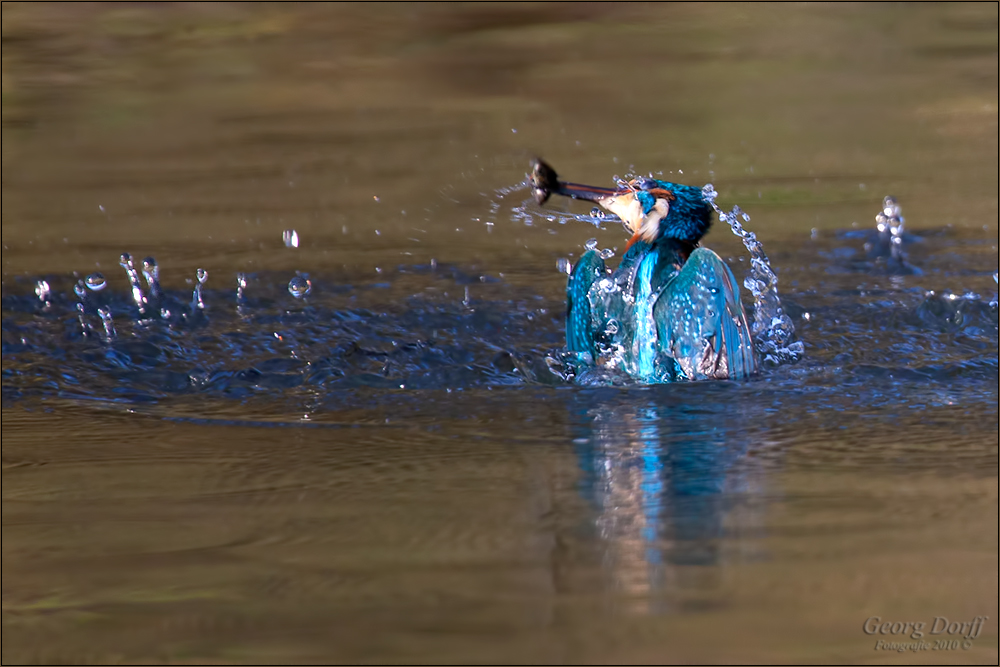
{"points": [[671, 311]]}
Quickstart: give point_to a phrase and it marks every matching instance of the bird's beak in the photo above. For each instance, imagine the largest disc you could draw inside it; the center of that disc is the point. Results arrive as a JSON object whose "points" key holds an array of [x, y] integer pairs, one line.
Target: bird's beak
{"points": [[622, 202], [545, 183]]}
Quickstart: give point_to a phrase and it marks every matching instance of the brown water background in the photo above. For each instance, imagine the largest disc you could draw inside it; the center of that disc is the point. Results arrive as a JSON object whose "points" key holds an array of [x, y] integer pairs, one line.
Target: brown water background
{"points": [[463, 527]]}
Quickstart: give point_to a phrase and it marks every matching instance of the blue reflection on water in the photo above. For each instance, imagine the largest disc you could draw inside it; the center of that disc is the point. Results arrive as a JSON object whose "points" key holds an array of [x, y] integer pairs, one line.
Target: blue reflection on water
{"points": [[664, 479]]}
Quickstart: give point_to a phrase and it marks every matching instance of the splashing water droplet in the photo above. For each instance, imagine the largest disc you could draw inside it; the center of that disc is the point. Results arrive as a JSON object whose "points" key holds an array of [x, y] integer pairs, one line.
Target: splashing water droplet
{"points": [[151, 272], [772, 330], [563, 265], [133, 279], [96, 282], [81, 307], [890, 217], [42, 290], [291, 238], [607, 253], [612, 327], [299, 287], [241, 285], [197, 302], [109, 325], [591, 244]]}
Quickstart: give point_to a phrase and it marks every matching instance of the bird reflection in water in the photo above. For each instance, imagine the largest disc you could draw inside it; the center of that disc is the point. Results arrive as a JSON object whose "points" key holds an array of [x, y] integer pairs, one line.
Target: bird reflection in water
{"points": [[676, 500]]}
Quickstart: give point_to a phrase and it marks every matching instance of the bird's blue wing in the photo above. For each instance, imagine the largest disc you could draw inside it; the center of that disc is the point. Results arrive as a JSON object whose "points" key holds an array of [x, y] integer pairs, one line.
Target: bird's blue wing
{"points": [[579, 329], [701, 324]]}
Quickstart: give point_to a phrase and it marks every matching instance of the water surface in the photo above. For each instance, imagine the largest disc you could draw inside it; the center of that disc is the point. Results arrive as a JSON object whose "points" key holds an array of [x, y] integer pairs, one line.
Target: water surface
{"points": [[386, 470]]}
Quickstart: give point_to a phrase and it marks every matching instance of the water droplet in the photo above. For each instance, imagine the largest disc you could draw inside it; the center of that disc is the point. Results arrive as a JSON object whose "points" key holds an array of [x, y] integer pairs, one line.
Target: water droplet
{"points": [[151, 271], [96, 282], [109, 325], [591, 244], [291, 238], [612, 327], [42, 290], [299, 287], [762, 283], [376, 198], [80, 289], [197, 303], [241, 285], [607, 253], [563, 265], [133, 279]]}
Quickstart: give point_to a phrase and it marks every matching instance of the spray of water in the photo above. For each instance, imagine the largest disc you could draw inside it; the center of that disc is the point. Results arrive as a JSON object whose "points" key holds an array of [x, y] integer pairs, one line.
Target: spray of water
{"points": [[81, 306], [151, 271], [197, 303], [133, 279], [43, 291], [772, 329], [109, 325]]}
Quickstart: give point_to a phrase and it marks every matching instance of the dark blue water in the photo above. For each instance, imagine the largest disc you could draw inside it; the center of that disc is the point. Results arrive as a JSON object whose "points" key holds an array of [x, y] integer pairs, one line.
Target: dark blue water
{"points": [[395, 468], [880, 332]]}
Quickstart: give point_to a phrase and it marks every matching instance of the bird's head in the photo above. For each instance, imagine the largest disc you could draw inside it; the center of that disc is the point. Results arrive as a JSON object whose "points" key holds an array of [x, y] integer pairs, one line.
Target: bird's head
{"points": [[649, 208], [653, 209]]}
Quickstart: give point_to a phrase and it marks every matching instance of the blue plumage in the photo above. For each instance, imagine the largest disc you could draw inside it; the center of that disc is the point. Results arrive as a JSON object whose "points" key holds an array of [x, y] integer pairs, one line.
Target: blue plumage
{"points": [[671, 310]]}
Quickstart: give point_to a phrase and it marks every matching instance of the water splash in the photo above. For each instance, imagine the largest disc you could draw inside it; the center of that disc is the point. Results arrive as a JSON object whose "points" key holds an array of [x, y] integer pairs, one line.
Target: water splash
{"points": [[80, 290], [197, 303], [133, 278], [290, 237], [151, 272], [43, 291], [109, 325], [890, 218], [886, 248], [241, 286], [772, 329], [519, 213]]}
